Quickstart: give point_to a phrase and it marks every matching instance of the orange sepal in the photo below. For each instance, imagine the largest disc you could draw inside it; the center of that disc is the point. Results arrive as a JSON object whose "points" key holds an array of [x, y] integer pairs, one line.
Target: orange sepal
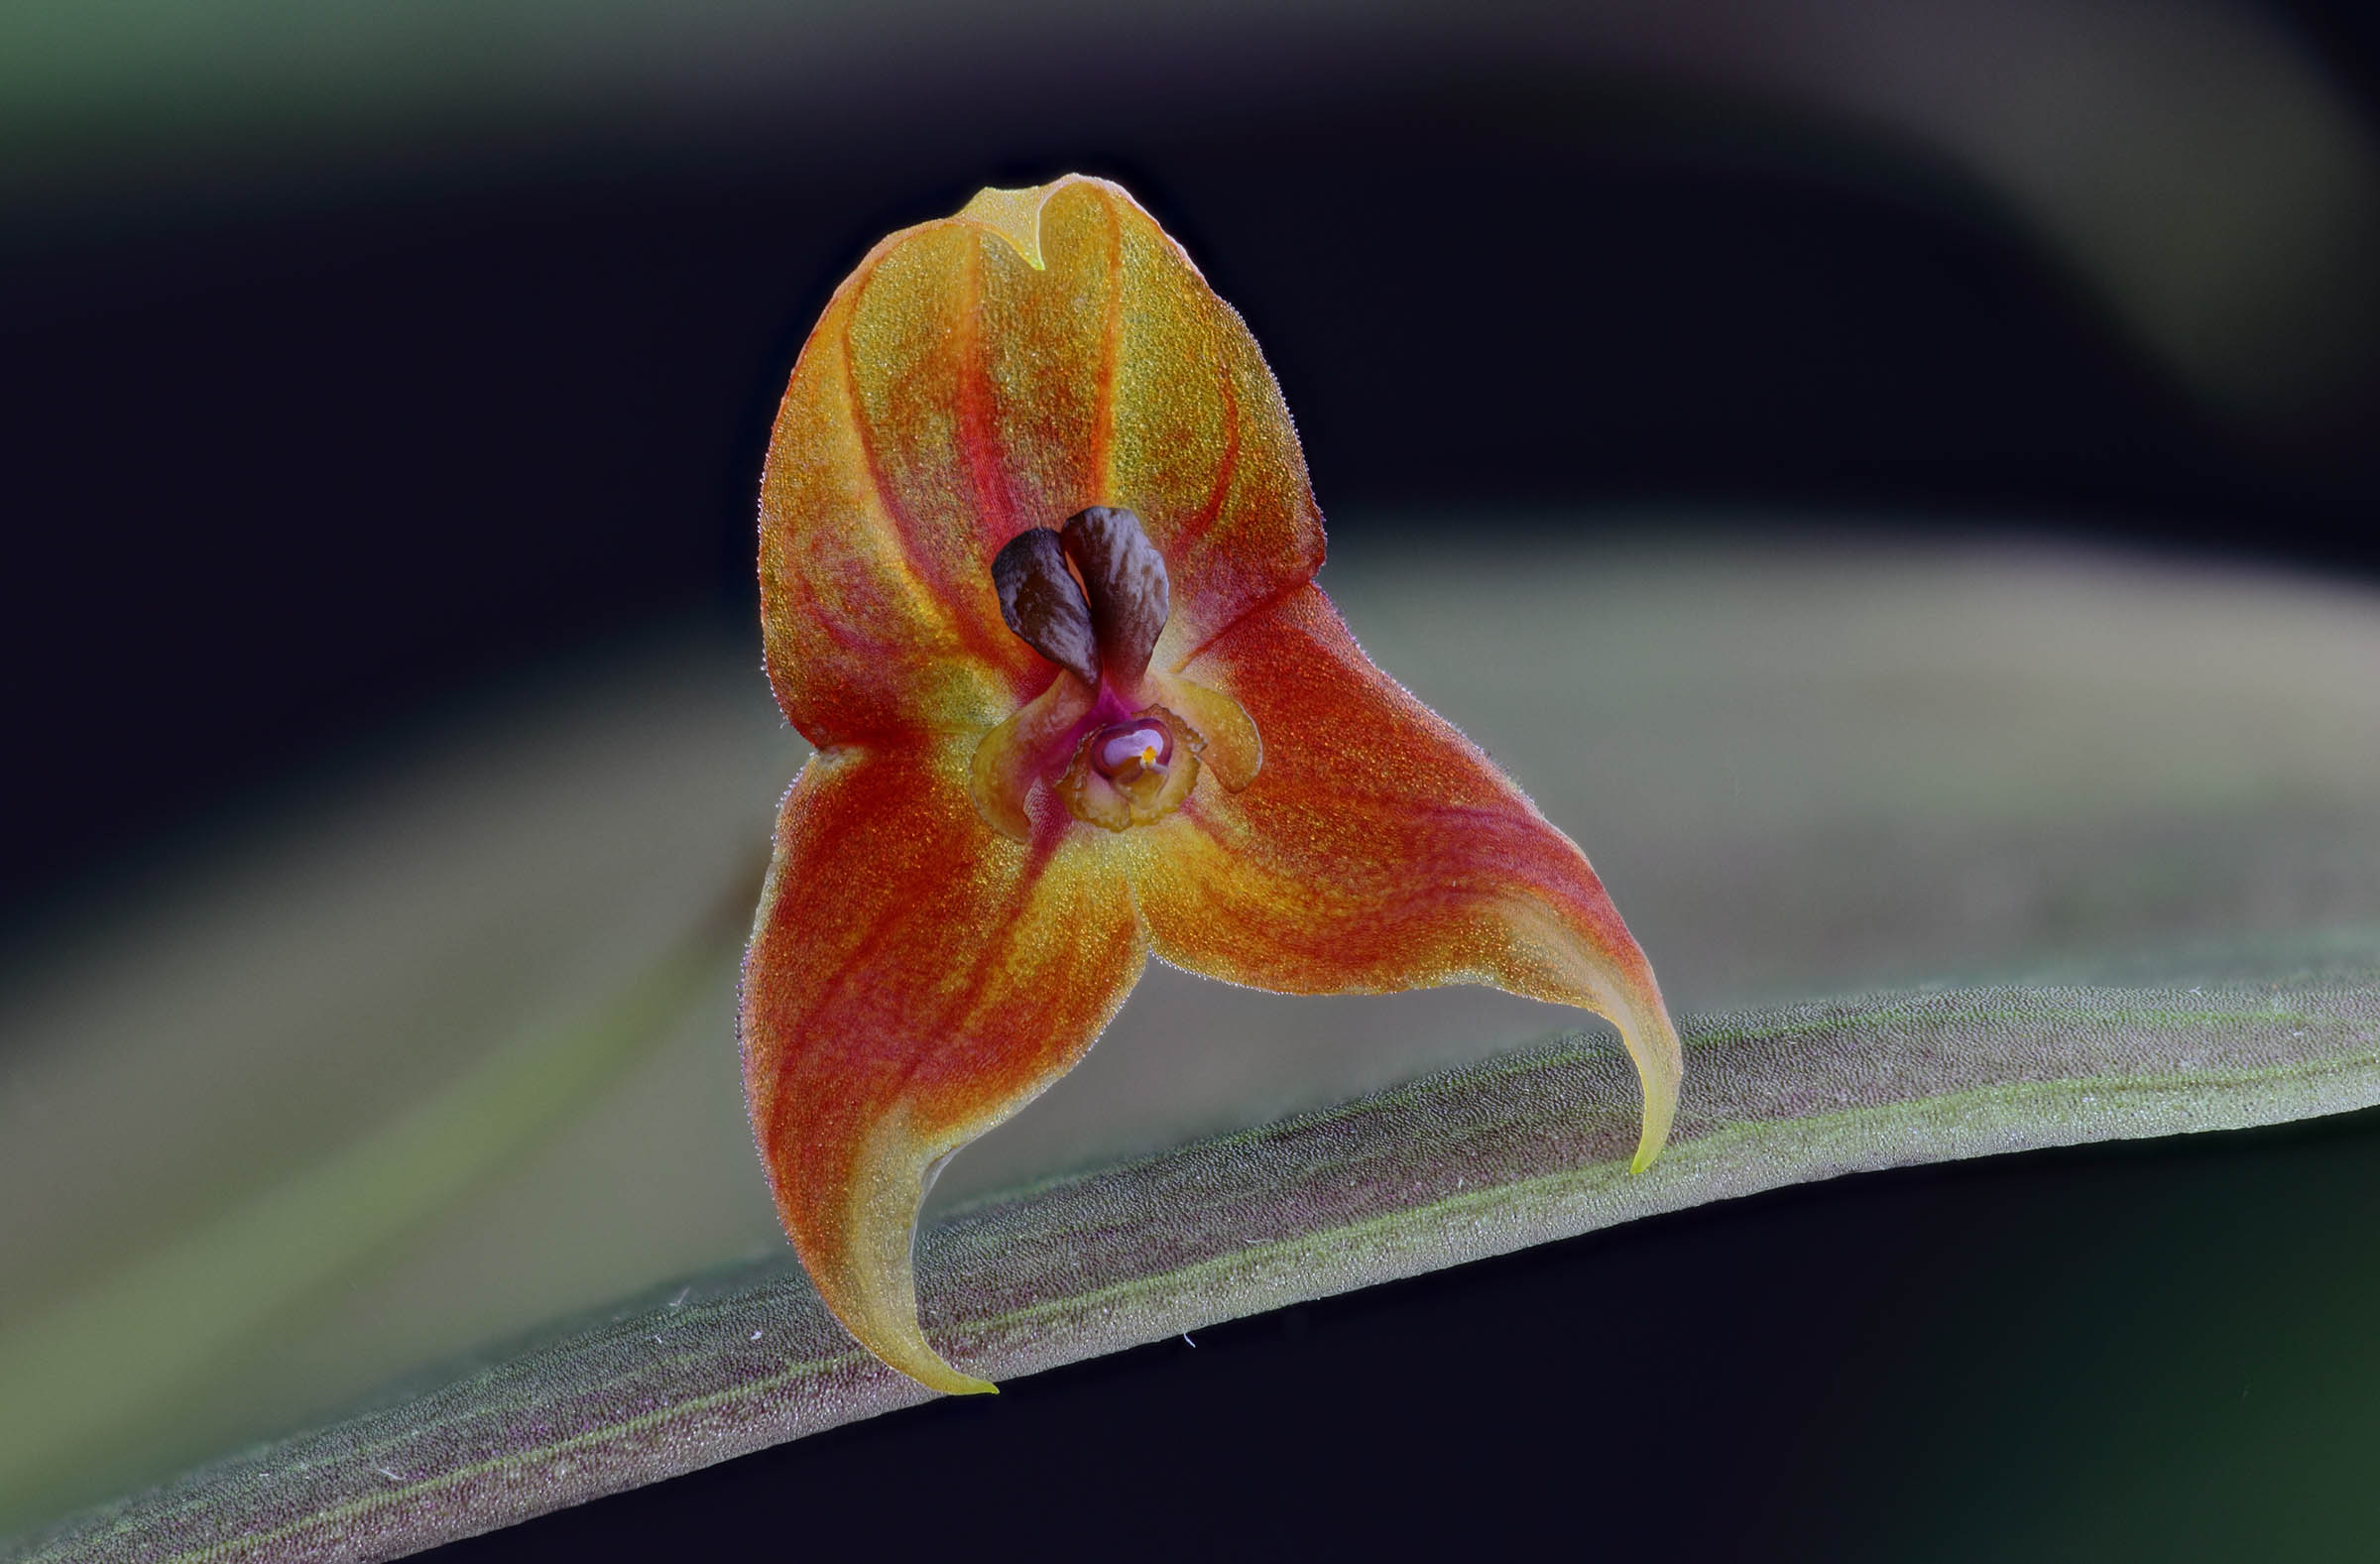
{"points": [[983, 374], [913, 979], [1378, 849]]}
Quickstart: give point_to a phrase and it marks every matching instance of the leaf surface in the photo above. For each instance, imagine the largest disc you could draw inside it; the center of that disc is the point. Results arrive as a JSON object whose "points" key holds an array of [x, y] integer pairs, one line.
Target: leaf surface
{"points": [[1520, 1149]]}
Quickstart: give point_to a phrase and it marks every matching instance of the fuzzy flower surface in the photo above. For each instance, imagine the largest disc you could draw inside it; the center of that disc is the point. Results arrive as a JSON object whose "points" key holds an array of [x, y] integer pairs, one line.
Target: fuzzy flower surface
{"points": [[1037, 552]]}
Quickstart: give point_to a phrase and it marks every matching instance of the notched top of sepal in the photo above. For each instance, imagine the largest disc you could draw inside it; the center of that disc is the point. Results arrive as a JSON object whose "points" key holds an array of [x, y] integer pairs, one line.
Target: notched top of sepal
{"points": [[1015, 215]]}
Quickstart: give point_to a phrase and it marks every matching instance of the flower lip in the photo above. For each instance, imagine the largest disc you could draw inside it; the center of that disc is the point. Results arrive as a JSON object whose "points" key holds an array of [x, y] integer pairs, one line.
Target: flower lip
{"points": [[1124, 751], [1132, 771]]}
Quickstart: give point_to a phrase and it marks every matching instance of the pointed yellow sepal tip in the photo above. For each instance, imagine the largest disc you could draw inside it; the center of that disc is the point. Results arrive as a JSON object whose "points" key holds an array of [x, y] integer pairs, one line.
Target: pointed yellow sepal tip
{"points": [[882, 1312], [863, 1264], [1653, 1042], [935, 1374]]}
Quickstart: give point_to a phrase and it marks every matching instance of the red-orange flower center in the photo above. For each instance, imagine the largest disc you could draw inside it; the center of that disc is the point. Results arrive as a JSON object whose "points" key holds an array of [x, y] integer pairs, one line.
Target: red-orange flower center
{"points": [[1093, 598]]}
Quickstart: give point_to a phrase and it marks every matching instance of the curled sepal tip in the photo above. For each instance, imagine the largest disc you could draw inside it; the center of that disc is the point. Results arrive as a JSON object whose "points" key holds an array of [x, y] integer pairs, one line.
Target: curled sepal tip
{"points": [[913, 979], [1559, 956], [1653, 1042], [867, 1271], [1380, 849]]}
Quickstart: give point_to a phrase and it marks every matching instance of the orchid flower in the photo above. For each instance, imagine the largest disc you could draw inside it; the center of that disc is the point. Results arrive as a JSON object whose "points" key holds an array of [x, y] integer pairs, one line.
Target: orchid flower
{"points": [[1037, 552]]}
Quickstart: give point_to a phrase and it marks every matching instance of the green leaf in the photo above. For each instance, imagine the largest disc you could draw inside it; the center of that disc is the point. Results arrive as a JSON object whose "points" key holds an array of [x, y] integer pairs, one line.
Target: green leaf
{"points": [[1520, 1149]]}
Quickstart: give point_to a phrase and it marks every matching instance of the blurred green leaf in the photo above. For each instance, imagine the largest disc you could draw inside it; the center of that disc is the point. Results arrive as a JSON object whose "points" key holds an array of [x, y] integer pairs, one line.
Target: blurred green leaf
{"points": [[99, 1357], [1520, 1149]]}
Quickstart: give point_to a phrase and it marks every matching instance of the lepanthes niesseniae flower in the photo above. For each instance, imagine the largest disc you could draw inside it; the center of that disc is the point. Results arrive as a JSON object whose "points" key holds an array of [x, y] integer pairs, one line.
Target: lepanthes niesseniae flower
{"points": [[1037, 552]]}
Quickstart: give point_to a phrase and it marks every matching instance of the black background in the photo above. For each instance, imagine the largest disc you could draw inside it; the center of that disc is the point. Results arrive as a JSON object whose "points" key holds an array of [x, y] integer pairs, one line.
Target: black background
{"points": [[294, 458]]}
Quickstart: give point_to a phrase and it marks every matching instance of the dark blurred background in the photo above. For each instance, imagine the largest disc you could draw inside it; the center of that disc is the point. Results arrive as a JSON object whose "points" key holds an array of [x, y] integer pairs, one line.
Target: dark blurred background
{"points": [[356, 357]]}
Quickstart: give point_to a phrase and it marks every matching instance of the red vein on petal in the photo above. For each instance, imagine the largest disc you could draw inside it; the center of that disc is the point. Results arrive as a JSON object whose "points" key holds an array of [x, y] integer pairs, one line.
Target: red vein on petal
{"points": [[963, 627], [1228, 466], [1102, 458], [1038, 855], [879, 931], [1265, 604], [1225, 470], [994, 510], [884, 926]]}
